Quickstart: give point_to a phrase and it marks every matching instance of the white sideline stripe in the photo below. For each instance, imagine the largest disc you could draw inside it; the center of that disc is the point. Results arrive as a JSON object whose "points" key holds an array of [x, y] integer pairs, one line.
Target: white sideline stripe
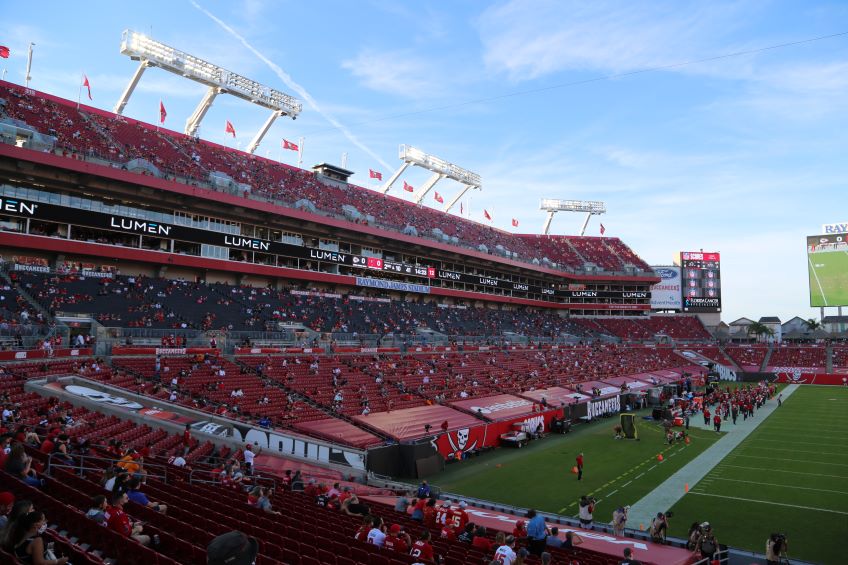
{"points": [[792, 450], [770, 502], [818, 282], [792, 487], [783, 471], [791, 460]]}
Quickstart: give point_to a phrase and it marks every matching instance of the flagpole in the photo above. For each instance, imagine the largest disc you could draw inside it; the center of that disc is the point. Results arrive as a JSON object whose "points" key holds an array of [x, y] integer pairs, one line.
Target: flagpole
{"points": [[79, 92], [300, 152], [29, 64]]}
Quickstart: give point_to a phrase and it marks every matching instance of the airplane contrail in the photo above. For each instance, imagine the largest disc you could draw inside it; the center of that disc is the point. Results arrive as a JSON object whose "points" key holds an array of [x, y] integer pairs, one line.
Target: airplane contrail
{"points": [[289, 81]]}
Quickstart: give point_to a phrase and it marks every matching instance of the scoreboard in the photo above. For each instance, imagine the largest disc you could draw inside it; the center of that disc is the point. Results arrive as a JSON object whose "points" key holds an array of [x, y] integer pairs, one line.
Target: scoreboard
{"points": [[701, 281]]}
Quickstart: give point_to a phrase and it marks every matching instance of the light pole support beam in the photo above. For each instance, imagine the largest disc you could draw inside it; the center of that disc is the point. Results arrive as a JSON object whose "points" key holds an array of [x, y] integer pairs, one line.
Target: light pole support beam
{"points": [[257, 139], [547, 225], [193, 122], [427, 186], [125, 97], [455, 199], [385, 188], [585, 223]]}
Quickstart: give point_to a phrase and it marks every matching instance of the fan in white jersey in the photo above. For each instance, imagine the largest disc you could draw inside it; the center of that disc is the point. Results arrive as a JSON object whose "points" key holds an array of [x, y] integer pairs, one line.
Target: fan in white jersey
{"points": [[506, 553]]}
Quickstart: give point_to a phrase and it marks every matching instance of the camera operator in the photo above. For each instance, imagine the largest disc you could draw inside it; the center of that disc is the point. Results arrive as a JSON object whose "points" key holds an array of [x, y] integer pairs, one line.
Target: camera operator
{"points": [[776, 548], [587, 507], [707, 544], [659, 527]]}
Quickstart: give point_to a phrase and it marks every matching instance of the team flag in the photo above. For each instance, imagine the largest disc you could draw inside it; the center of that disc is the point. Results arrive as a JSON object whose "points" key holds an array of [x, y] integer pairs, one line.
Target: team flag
{"points": [[486, 215], [230, 129], [603, 229], [4, 51], [162, 113], [289, 145], [375, 174], [439, 198], [86, 84], [408, 187], [514, 223]]}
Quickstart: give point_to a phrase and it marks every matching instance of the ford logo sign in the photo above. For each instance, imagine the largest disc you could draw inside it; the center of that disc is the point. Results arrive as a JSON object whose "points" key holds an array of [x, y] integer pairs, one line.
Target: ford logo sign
{"points": [[666, 273]]}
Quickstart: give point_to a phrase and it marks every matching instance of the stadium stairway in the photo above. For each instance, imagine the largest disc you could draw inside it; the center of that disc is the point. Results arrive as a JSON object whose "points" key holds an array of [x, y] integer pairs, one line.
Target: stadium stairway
{"points": [[767, 358], [732, 361]]}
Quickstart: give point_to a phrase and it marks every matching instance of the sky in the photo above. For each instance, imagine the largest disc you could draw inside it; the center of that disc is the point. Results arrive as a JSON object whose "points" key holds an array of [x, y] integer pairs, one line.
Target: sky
{"points": [[745, 155]]}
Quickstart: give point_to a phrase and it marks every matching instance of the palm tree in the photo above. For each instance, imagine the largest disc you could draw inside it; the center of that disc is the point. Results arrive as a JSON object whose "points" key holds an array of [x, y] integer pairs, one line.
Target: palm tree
{"points": [[759, 330], [812, 325]]}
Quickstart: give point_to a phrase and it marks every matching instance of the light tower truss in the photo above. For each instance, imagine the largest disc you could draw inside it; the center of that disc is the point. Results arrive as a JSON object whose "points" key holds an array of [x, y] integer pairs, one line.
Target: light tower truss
{"points": [[440, 168], [151, 53], [553, 205]]}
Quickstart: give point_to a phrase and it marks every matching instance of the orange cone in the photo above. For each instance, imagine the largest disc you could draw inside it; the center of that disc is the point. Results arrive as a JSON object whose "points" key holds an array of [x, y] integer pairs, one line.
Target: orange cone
{"points": [[660, 458], [574, 470], [686, 487], [687, 440]]}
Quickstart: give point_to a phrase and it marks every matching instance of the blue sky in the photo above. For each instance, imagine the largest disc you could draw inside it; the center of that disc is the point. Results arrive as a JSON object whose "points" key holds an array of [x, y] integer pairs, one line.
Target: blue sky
{"points": [[745, 156]]}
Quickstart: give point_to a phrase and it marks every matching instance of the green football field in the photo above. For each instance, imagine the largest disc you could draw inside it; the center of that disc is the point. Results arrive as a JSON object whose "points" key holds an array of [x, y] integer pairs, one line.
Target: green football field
{"points": [[790, 475], [828, 278], [616, 472]]}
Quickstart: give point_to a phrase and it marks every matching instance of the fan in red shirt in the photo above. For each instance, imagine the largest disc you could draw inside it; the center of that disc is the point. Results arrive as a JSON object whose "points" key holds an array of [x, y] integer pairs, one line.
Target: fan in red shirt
{"points": [[421, 549], [481, 541], [362, 533], [397, 540], [520, 530], [118, 521], [455, 521], [430, 514]]}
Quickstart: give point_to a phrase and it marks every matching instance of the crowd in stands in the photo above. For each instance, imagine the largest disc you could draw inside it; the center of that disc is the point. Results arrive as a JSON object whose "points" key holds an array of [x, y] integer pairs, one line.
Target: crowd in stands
{"points": [[747, 356], [789, 356], [92, 133]]}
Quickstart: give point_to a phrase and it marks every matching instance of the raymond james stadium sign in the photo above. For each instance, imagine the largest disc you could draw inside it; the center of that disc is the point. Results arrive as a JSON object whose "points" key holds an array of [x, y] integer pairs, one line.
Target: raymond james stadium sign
{"points": [[835, 228]]}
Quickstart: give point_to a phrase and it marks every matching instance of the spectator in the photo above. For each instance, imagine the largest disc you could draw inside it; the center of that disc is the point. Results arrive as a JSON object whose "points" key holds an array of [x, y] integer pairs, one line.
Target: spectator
{"points": [[19, 465], [467, 535], [422, 550], [423, 490], [693, 536], [177, 459], [140, 498], [260, 497], [546, 558], [97, 512], [505, 554], [25, 541], [7, 500], [430, 514], [398, 540], [249, 455], [402, 503], [118, 521], [19, 509], [519, 532], [628, 558], [587, 507], [480, 540], [377, 533], [553, 539], [232, 548], [536, 532], [365, 527], [776, 547], [571, 540], [353, 507], [186, 439]]}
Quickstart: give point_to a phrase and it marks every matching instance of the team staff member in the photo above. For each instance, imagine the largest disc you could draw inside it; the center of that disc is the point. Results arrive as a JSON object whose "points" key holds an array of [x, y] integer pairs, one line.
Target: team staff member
{"points": [[580, 467]]}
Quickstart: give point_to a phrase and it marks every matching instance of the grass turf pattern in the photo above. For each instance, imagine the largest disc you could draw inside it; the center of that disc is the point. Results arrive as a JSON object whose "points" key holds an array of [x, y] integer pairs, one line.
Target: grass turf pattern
{"points": [[616, 472], [790, 475]]}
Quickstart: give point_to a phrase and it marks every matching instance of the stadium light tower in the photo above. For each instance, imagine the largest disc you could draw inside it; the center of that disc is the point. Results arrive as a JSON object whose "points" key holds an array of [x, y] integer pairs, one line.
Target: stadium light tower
{"points": [[440, 168], [151, 53], [553, 205]]}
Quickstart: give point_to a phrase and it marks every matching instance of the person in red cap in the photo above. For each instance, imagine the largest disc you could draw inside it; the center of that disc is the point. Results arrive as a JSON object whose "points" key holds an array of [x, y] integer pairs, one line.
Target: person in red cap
{"points": [[397, 540], [7, 500]]}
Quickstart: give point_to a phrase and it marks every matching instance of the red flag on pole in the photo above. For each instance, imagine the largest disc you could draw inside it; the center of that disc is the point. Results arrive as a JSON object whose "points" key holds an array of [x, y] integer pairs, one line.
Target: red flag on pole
{"points": [[4, 51], [603, 229], [289, 145], [230, 129], [486, 214], [439, 198], [408, 187], [162, 113], [514, 223], [87, 85], [375, 174]]}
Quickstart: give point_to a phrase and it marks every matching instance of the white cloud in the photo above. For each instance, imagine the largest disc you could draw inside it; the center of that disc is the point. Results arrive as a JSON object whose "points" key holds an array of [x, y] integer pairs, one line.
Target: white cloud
{"points": [[399, 73]]}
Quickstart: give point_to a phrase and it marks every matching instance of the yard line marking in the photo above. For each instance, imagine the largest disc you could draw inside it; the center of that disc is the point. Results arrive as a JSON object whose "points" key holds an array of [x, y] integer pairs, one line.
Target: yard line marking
{"points": [[625, 484], [673, 454], [770, 502], [639, 476], [818, 282], [612, 493], [793, 487], [654, 467], [793, 450], [792, 460], [782, 471]]}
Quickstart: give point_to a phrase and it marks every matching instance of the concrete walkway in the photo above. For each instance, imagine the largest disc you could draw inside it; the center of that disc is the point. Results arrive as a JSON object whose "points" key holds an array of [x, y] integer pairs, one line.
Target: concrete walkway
{"points": [[671, 490]]}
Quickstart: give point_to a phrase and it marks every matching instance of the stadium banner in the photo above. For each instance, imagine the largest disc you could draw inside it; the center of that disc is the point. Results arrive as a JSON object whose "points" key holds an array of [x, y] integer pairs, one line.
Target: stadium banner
{"points": [[392, 285], [164, 350], [298, 446], [835, 228], [666, 294], [366, 350], [801, 378], [266, 350], [454, 443], [785, 369], [43, 354]]}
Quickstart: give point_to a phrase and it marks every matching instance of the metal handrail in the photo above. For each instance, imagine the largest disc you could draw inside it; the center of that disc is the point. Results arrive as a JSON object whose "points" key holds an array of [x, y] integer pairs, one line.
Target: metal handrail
{"points": [[82, 468], [256, 479]]}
